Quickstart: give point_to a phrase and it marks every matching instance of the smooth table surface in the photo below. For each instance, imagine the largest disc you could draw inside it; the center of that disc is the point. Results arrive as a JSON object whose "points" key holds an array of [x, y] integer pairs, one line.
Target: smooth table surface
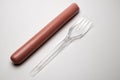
{"points": [[94, 57]]}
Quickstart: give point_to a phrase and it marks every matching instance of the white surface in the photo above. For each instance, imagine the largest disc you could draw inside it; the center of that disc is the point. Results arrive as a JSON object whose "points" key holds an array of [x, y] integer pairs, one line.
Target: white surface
{"points": [[95, 57]]}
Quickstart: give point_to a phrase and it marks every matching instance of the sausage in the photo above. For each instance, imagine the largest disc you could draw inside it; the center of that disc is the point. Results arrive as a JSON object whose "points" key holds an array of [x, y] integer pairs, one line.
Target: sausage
{"points": [[43, 35]]}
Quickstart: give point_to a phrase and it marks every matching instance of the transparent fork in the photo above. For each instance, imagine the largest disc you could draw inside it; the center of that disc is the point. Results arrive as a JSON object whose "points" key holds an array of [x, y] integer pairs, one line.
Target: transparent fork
{"points": [[77, 31]]}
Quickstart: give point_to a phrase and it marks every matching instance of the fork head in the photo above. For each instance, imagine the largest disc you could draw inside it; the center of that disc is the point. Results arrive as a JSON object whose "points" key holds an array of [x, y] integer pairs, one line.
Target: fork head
{"points": [[79, 29]]}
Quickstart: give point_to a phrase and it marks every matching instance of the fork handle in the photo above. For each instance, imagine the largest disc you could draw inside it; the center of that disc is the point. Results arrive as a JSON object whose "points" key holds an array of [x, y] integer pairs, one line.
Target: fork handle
{"points": [[51, 56]]}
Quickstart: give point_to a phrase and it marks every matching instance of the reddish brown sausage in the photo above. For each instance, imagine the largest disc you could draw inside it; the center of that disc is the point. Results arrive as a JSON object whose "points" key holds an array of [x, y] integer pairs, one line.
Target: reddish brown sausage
{"points": [[36, 41]]}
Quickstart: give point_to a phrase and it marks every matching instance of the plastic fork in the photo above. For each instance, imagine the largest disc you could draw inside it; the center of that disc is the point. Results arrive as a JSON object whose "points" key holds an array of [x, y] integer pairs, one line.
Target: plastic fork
{"points": [[77, 31]]}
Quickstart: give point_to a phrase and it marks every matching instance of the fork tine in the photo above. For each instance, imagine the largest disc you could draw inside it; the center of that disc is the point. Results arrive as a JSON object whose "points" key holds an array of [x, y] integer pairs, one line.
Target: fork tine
{"points": [[80, 22], [86, 28], [77, 24], [82, 19], [84, 23]]}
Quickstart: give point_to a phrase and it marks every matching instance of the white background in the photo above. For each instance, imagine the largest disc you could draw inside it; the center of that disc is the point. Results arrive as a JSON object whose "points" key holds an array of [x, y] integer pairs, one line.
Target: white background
{"points": [[94, 57]]}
